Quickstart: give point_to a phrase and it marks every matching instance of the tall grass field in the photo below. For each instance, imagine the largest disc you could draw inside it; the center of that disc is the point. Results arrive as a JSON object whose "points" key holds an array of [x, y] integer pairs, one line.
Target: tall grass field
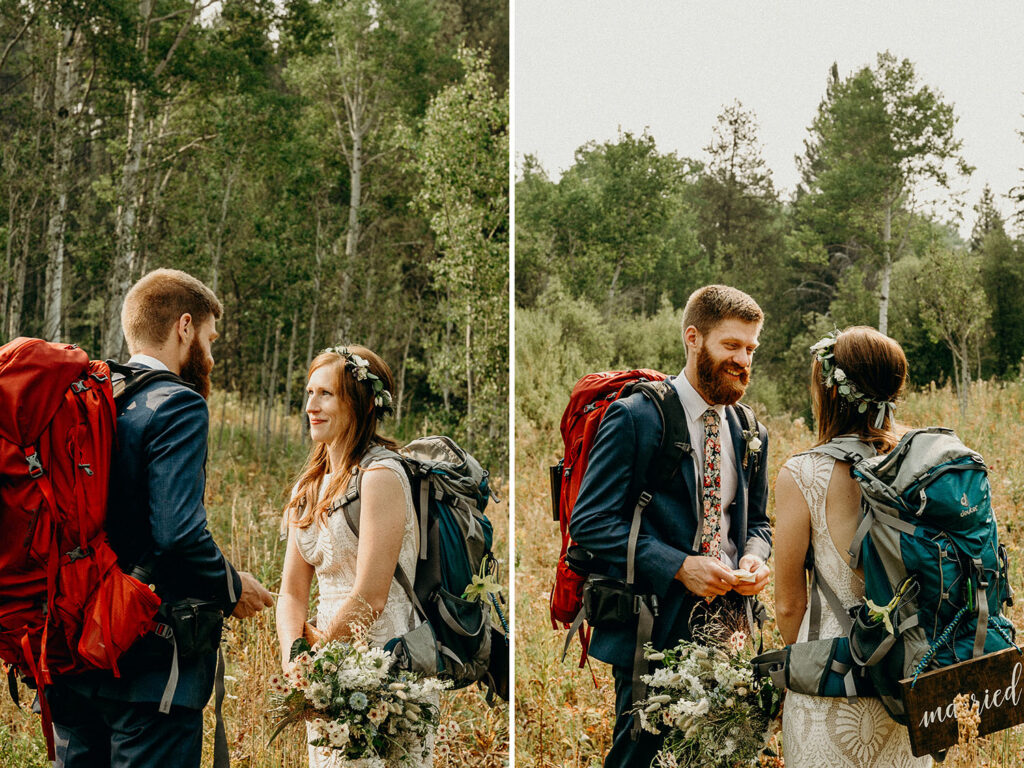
{"points": [[564, 715], [249, 477]]}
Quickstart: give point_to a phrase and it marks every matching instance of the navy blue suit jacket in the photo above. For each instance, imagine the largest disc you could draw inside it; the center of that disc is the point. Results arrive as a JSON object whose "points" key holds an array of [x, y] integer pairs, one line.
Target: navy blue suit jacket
{"points": [[157, 484], [629, 435]]}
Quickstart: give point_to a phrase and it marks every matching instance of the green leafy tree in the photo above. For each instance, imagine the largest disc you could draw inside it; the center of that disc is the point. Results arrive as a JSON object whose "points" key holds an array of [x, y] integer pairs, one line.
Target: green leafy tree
{"points": [[954, 309], [881, 148], [463, 160]]}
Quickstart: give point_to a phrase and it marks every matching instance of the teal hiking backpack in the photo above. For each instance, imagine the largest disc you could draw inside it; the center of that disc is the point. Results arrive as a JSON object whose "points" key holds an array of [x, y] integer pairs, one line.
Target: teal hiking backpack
{"points": [[933, 565], [454, 588]]}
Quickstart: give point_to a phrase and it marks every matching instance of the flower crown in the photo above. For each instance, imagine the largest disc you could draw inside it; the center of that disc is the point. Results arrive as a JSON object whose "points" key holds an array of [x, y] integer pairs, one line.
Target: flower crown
{"points": [[360, 368], [833, 375]]}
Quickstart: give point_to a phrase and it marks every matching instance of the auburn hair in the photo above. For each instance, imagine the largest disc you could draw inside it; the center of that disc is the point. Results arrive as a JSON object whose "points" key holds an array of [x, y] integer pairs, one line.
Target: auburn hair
{"points": [[710, 305], [359, 433], [877, 365], [158, 300]]}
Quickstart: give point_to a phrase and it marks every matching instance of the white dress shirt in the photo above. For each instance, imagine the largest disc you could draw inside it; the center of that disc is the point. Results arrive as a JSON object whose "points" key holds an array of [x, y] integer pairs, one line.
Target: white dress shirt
{"points": [[152, 362], [694, 405]]}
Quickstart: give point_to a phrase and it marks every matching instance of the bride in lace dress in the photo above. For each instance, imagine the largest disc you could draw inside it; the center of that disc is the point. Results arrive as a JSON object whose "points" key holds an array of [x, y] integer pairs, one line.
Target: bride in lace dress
{"points": [[355, 575], [818, 506]]}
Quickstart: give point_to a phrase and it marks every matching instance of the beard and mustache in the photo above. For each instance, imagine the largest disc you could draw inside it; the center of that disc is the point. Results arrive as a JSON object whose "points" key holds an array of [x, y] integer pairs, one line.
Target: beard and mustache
{"points": [[714, 382], [196, 370]]}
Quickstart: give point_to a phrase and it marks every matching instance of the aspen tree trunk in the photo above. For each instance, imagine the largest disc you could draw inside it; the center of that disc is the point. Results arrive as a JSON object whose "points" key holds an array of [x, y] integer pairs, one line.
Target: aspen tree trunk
{"points": [[219, 239], [125, 252], [883, 301], [356, 195], [126, 226], [17, 298], [446, 389], [400, 395], [612, 288], [289, 375], [272, 390], [469, 375], [319, 256], [261, 395], [5, 288], [66, 109]]}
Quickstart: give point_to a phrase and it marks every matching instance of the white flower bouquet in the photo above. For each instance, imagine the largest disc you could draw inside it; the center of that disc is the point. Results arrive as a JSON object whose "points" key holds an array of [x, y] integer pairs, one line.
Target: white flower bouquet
{"points": [[355, 702], [705, 699]]}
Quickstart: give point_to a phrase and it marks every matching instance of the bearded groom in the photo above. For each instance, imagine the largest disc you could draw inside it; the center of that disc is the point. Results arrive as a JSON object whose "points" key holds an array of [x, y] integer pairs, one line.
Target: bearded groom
{"points": [[709, 520]]}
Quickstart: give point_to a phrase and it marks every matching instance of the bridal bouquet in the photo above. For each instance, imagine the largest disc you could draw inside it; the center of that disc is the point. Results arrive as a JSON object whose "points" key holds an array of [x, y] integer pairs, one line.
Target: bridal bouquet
{"points": [[355, 703], [705, 699]]}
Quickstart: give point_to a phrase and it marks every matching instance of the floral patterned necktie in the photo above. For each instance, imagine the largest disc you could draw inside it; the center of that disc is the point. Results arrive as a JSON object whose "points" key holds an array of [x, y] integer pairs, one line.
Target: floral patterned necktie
{"points": [[711, 495]]}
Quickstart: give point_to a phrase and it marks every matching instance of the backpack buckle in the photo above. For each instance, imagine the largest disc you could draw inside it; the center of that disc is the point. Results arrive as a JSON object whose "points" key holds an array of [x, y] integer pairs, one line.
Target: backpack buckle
{"points": [[35, 466], [78, 554], [99, 377], [164, 631], [78, 387]]}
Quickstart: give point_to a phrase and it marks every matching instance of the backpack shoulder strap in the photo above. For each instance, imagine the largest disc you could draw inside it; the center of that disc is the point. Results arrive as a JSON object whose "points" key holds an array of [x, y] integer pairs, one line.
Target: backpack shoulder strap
{"points": [[844, 448], [349, 504], [127, 381], [349, 501], [751, 426], [675, 435]]}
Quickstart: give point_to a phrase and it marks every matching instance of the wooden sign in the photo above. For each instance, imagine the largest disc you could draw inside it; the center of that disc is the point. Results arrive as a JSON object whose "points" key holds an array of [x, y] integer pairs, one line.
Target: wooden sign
{"points": [[995, 681]]}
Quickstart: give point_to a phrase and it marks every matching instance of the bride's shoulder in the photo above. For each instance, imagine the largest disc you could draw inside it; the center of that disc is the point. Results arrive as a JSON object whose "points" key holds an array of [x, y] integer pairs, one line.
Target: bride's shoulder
{"points": [[806, 465]]}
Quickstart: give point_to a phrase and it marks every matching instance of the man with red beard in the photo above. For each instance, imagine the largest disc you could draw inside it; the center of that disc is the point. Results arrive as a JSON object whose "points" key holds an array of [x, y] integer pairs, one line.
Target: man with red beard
{"points": [[704, 535], [152, 714]]}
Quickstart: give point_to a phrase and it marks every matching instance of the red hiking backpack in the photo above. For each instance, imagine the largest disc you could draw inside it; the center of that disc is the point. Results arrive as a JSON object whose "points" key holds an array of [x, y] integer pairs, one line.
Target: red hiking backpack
{"points": [[588, 402], [65, 605]]}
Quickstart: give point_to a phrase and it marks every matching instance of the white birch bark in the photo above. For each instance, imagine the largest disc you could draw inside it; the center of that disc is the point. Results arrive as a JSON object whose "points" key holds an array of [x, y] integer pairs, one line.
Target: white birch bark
{"points": [[66, 110]]}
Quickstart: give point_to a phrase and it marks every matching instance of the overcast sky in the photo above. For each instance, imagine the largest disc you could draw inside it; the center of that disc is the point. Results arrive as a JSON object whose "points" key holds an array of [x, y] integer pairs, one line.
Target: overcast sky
{"points": [[585, 68]]}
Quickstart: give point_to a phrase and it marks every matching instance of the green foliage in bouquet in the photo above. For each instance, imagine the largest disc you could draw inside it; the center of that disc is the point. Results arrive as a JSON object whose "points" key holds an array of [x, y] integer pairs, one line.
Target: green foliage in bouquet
{"points": [[705, 699], [356, 702]]}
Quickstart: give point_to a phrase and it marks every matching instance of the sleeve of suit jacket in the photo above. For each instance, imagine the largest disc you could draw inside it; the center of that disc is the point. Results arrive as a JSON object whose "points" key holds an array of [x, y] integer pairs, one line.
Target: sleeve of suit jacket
{"points": [[600, 521], [176, 441], [759, 530]]}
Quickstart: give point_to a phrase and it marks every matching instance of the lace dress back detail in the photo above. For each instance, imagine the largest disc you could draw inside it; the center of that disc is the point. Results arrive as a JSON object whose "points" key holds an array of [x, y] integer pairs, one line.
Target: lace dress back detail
{"points": [[821, 731], [332, 550]]}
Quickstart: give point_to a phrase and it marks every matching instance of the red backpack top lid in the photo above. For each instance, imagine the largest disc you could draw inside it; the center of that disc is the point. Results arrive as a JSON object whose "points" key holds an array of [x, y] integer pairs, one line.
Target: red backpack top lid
{"points": [[35, 375]]}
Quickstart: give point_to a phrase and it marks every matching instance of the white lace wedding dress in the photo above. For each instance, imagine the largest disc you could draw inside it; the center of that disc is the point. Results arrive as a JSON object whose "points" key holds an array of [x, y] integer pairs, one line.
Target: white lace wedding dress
{"points": [[820, 732], [331, 550]]}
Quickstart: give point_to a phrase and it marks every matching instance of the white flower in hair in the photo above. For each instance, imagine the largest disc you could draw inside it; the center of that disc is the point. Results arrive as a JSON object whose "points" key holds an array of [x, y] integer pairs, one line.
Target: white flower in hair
{"points": [[828, 341], [839, 375]]}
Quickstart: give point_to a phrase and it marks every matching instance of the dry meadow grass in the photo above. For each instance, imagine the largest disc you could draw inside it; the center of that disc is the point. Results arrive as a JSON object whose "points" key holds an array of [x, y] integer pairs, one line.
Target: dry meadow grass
{"points": [[564, 714], [244, 499]]}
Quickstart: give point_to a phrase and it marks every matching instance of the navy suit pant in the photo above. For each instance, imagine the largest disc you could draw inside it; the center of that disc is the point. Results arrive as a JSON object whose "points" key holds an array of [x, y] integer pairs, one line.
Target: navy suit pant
{"points": [[96, 732], [626, 753]]}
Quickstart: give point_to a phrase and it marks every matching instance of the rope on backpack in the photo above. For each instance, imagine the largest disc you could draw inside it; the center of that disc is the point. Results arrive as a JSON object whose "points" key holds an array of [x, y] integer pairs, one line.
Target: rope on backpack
{"points": [[938, 641]]}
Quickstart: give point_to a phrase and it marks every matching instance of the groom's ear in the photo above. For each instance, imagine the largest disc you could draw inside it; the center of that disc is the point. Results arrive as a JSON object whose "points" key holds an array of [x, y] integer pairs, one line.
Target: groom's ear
{"points": [[184, 327], [691, 338]]}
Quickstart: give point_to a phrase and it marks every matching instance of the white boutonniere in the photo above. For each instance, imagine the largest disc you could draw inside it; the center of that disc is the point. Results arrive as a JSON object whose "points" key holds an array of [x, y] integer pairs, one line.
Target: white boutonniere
{"points": [[753, 441]]}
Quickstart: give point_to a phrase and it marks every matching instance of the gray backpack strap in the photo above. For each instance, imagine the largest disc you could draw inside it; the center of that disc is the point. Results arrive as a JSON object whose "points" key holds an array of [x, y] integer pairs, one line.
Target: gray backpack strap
{"points": [[350, 505], [749, 423], [844, 448], [852, 450], [818, 583]]}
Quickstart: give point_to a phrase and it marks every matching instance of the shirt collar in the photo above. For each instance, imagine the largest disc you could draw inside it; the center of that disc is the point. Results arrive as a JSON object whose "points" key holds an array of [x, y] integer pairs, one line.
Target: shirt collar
{"points": [[149, 362], [693, 404]]}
